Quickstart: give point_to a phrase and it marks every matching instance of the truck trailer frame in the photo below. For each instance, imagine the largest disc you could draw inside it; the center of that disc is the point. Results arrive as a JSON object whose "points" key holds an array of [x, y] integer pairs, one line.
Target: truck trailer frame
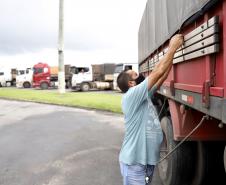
{"points": [[195, 87]]}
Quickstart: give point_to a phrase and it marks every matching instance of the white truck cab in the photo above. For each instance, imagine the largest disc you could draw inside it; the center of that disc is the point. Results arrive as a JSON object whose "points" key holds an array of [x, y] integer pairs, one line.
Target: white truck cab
{"points": [[5, 77], [96, 76], [82, 76], [24, 78], [123, 67]]}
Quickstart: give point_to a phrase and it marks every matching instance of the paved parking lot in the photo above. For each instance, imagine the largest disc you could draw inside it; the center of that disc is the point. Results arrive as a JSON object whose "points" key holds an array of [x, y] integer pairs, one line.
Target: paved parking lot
{"points": [[53, 145]]}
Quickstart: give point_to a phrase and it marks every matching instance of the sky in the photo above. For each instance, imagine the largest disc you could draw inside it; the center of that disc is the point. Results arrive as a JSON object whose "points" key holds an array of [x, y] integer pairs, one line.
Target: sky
{"points": [[95, 31]]}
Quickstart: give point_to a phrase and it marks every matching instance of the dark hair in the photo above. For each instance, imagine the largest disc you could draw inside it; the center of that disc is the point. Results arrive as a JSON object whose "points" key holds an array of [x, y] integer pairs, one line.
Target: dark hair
{"points": [[122, 81]]}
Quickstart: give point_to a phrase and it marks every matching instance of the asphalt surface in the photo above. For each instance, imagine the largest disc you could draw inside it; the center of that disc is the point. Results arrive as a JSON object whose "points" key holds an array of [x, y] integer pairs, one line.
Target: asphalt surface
{"points": [[53, 145]]}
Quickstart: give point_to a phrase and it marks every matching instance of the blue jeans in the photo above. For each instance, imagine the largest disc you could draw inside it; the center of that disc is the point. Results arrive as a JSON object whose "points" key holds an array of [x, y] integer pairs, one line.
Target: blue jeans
{"points": [[136, 174]]}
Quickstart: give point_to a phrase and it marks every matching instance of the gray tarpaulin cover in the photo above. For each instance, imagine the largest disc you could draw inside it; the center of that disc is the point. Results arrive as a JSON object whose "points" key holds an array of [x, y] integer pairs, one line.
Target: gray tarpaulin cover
{"points": [[161, 19]]}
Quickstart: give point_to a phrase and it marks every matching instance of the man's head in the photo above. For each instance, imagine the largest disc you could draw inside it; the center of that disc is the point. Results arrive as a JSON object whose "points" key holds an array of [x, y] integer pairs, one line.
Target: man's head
{"points": [[127, 79]]}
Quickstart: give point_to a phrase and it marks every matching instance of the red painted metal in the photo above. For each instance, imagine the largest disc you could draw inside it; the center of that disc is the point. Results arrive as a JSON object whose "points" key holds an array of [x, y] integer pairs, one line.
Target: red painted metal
{"points": [[217, 91], [40, 77], [184, 123], [189, 87], [214, 91], [224, 45], [206, 94]]}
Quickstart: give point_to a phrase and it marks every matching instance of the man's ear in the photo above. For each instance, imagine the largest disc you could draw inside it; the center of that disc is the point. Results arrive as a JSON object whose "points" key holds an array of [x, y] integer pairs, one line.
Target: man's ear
{"points": [[131, 83]]}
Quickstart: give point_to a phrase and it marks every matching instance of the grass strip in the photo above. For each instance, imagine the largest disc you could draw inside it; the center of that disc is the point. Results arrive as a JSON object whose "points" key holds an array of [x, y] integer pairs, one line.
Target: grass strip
{"points": [[94, 100]]}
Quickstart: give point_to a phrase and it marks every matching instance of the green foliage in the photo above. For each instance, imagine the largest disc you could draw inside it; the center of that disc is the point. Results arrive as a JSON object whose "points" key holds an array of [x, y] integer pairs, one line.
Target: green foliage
{"points": [[94, 100]]}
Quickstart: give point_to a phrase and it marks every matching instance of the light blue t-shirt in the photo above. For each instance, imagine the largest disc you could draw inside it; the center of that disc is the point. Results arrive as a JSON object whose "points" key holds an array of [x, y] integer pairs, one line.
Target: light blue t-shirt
{"points": [[143, 133]]}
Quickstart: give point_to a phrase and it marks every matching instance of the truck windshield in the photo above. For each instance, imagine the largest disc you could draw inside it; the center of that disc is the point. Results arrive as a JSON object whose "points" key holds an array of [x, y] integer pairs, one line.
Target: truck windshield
{"points": [[20, 72], [38, 70], [80, 70], [119, 69], [73, 69], [28, 70]]}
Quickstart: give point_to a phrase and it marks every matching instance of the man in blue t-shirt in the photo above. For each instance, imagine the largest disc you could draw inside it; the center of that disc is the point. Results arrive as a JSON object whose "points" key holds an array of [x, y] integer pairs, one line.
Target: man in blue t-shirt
{"points": [[143, 134]]}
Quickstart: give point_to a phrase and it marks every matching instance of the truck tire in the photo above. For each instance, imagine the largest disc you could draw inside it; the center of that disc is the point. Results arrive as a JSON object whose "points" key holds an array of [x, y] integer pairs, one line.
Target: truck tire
{"points": [[85, 87], [199, 170], [44, 85], [225, 158], [178, 168], [8, 84], [111, 86], [214, 168], [67, 84], [13, 83], [26, 85]]}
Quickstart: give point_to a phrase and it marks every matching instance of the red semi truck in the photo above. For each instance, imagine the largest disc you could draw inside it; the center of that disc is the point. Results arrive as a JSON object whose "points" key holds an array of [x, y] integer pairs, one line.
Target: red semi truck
{"points": [[45, 76], [192, 101]]}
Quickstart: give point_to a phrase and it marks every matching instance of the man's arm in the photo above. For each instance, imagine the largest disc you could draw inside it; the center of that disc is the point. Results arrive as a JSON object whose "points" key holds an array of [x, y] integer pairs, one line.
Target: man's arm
{"points": [[157, 85], [166, 62], [163, 77]]}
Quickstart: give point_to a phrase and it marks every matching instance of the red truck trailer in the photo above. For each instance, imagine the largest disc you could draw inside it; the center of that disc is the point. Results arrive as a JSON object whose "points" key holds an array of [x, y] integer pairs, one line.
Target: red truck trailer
{"points": [[192, 101], [46, 76]]}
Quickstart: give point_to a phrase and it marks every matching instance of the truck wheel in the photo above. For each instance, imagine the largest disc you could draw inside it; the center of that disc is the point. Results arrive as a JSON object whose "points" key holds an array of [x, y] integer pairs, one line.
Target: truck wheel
{"points": [[8, 84], [214, 168], [85, 87], [176, 169], [111, 86], [26, 85], [44, 85], [13, 83], [225, 159], [67, 84]]}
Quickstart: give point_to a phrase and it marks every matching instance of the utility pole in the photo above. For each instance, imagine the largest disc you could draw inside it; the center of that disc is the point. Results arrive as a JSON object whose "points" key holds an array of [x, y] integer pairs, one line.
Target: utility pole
{"points": [[61, 73]]}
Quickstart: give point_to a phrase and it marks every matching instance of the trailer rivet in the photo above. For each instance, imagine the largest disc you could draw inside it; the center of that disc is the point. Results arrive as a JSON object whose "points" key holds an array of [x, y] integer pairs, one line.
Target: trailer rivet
{"points": [[220, 125]]}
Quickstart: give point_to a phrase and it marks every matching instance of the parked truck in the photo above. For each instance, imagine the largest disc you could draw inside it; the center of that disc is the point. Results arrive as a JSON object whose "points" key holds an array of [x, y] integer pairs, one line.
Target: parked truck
{"points": [[123, 67], [45, 76], [192, 101], [24, 78], [98, 76], [7, 77]]}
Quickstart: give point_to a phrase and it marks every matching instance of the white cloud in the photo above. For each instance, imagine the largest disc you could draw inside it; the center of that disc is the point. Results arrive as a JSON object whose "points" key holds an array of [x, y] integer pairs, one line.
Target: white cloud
{"points": [[95, 31]]}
